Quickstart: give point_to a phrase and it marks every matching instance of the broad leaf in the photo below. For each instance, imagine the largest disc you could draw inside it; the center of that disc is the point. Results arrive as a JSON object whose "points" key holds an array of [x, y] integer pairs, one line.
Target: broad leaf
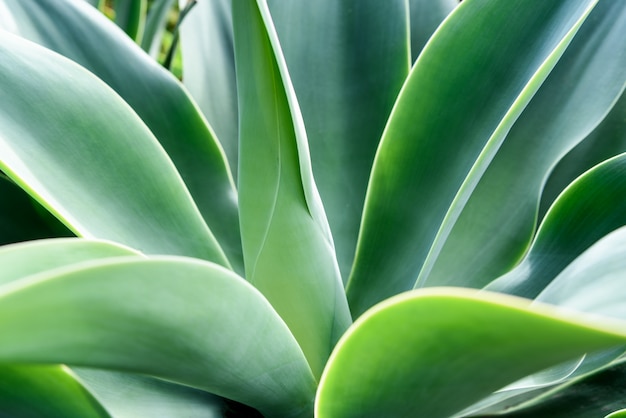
{"points": [[25, 259], [573, 100], [99, 315], [346, 78], [288, 250], [428, 344], [446, 114], [72, 28], [61, 143]]}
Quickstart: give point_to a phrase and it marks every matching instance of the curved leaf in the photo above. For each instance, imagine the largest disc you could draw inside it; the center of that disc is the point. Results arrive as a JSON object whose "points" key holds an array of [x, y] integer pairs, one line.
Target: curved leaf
{"points": [[25, 259], [288, 250], [430, 343], [206, 38], [72, 28], [45, 391], [447, 112], [588, 209], [100, 315], [346, 78], [576, 96], [59, 143]]}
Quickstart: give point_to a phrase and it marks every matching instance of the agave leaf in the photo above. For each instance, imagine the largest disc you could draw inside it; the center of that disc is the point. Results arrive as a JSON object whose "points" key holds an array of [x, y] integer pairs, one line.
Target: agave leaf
{"points": [[72, 29], [130, 15], [45, 391], [426, 16], [155, 26], [24, 259], [432, 342], [346, 78], [206, 38], [127, 395], [288, 250], [22, 219], [587, 396], [573, 100], [588, 209], [97, 315], [606, 141], [418, 187], [82, 153]]}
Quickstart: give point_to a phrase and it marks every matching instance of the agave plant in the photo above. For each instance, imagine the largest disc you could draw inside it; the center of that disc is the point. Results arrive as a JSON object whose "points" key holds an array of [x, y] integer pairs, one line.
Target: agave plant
{"points": [[348, 209]]}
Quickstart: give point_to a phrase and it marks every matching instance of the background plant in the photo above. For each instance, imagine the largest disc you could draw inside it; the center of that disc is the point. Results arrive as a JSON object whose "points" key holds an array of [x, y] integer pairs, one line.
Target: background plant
{"points": [[314, 147]]}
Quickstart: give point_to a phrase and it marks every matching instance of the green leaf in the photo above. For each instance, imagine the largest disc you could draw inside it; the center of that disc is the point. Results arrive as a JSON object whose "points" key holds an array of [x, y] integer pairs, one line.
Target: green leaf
{"points": [[72, 29], [288, 250], [45, 391], [130, 15], [426, 16], [25, 259], [588, 209], [448, 123], [81, 152], [206, 38], [574, 99], [430, 343], [155, 26], [22, 219], [99, 315], [346, 78], [127, 395]]}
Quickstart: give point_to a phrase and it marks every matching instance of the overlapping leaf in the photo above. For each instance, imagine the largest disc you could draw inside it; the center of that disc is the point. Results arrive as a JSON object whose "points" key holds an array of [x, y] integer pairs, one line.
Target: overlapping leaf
{"points": [[288, 250], [89, 159], [101, 315], [346, 78], [72, 28], [445, 116], [573, 100], [429, 344]]}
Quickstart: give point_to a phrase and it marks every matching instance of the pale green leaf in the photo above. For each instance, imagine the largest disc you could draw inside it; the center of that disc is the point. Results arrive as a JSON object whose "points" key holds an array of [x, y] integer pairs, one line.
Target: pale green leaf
{"points": [[346, 77], [72, 29], [206, 37], [81, 152], [288, 250], [122, 314]]}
